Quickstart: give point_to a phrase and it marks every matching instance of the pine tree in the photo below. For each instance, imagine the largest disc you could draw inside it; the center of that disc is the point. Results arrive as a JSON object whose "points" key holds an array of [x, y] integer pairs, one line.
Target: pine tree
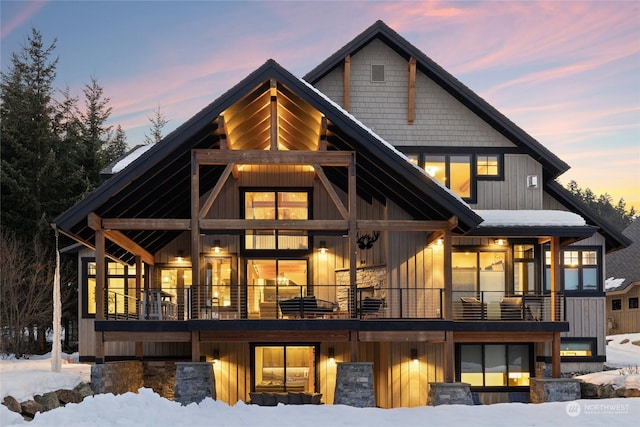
{"points": [[29, 144], [158, 121], [617, 216]]}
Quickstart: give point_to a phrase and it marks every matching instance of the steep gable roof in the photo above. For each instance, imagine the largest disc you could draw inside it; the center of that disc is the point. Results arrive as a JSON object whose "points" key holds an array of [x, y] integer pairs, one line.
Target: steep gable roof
{"points": [[157, 183], [625, 264], [553, 166]]}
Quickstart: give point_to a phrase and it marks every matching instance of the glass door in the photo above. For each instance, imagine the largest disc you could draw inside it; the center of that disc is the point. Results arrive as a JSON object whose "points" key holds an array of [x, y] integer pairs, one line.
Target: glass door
{"points": [[280, 368], [272, 280]]}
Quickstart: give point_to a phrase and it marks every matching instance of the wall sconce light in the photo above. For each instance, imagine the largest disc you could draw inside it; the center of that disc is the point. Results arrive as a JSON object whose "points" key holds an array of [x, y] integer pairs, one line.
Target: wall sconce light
{"points": [[180, 256], [414, 355], [331, 353], [323, 247], [439, 242], [216, 355], [216, 246], [500, 242]]}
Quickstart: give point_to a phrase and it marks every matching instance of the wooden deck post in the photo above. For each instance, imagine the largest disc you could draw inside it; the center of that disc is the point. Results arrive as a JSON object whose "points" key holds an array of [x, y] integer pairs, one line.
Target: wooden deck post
{"points": [[195, 346], [555, 356]]}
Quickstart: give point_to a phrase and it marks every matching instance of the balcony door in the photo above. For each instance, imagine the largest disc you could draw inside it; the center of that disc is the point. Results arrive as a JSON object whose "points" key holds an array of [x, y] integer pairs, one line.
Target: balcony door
{"points": [[270, 280]]}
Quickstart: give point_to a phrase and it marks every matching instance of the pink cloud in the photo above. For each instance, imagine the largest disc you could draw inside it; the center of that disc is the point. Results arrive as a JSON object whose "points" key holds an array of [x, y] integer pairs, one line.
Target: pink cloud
{"points": [[28, 9]]}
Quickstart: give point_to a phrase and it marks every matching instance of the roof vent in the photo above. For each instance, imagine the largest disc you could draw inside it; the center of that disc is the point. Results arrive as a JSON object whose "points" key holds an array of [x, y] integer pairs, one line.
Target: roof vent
{"points": [[377, 73]]}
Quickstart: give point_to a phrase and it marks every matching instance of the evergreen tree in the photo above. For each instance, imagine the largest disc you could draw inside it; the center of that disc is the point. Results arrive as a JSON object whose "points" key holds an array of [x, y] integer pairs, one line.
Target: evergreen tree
{"points": [[96, 134], [158, 121], [617, 216], [29, 144]]}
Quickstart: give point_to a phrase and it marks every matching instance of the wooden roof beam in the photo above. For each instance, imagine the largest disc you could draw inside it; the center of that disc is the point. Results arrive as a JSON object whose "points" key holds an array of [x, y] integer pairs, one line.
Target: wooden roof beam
{"points": [[95, 222], [332, 192]]}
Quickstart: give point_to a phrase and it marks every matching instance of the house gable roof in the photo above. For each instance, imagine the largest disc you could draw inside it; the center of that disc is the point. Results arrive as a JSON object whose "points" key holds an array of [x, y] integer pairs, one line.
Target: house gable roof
{"points": [[625, 264], [157, 183], [553, 166]]}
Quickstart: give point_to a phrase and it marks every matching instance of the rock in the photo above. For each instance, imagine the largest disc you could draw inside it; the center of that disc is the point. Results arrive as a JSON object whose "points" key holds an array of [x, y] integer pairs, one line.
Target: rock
{"points": [[30, 408], [84, 389], [48, 401], [588, 390], [11, 403], [68, 396]]}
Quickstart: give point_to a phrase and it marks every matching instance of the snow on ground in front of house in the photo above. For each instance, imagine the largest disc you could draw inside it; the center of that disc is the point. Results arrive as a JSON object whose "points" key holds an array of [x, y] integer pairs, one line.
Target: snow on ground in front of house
{"points": [[26, 377]]}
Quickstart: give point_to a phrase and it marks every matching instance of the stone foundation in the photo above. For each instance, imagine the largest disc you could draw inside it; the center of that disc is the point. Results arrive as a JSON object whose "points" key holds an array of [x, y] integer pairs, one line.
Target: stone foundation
{"points": [[354, 385], [554, 390], [160, 376], [117, 377], [449, 394], [195, 381]]}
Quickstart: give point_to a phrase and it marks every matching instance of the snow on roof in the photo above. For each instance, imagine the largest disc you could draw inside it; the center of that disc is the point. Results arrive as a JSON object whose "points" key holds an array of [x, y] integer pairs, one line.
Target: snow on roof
{"points": [[612, 283], [383, 141], [129, 158], [529, 218]]}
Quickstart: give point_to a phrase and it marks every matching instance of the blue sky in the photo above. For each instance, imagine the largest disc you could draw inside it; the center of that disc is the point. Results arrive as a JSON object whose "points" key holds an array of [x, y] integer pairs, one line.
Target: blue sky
{"points": [[567, 72]]}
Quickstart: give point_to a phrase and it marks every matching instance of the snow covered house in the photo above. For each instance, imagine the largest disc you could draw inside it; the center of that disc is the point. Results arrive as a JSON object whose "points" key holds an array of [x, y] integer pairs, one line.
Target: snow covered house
{"points": [[622, 285], [376, 210]]}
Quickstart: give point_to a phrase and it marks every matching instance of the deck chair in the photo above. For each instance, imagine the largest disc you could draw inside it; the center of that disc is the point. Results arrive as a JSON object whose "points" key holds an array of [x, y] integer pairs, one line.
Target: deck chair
{"points": [[511, 308]]}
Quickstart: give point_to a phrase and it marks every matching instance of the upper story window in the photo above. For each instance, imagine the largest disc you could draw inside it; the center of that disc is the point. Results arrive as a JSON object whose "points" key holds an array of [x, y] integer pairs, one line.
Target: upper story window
{"points": [[377, 73], [460, 171], [120, 288], [579, 269], [279, 206]]}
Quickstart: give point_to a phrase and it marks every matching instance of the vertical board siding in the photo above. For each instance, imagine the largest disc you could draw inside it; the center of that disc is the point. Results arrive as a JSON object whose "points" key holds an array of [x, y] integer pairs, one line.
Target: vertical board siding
{"points": [[587, 318]]}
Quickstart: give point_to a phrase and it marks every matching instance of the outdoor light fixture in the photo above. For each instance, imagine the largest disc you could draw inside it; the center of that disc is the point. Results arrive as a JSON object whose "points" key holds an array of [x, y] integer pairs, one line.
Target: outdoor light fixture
{"points": [[439, 242], [323, 247], [216, 246], [216, 355], [414, 355], [180, 256], [331, 353], [500, 242]]}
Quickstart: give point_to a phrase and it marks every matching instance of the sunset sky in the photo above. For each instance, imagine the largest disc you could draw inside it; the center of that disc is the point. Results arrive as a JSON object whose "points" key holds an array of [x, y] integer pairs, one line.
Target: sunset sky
{"points": [[567, 72]]}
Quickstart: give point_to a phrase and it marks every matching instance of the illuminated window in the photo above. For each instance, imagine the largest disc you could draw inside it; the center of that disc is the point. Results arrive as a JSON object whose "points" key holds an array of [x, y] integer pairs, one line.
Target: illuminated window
{"points": [[278, 206], [487, 165], [120, 292], [459, 171], [495, 365], [576, 348]]}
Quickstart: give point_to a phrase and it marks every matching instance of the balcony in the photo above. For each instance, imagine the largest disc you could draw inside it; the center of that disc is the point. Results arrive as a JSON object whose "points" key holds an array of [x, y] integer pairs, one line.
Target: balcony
{"points": [[329, 302]]}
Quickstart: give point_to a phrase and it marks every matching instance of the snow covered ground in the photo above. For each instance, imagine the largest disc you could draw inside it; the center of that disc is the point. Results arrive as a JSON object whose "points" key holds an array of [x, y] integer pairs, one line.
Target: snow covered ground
{"points": [[24, 378]]}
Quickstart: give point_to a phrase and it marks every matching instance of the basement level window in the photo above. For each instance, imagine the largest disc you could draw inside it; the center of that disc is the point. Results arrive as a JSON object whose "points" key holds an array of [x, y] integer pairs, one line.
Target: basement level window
{"points": [[576, 348], [377, 73], [616, 304]]}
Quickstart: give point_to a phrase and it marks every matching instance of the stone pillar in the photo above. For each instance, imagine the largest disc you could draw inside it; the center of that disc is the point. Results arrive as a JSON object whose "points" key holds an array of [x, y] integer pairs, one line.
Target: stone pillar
{"points": [[117, 377], [553, 390], [354, 385], [195, 381], [449, 394]]}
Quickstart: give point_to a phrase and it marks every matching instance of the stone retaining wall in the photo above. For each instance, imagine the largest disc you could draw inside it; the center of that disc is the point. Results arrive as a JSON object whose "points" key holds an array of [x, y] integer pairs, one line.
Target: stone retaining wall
{"points": [[354, 385], [117, 377]]}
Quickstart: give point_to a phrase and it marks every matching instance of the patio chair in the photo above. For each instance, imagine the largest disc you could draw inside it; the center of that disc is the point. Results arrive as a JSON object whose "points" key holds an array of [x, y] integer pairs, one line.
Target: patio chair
{"points": [[511, 308]]}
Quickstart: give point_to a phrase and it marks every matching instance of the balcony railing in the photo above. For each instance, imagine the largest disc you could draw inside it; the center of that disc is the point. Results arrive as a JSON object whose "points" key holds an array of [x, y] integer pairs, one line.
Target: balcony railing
{"points": [[497, 305], [328, 302]]}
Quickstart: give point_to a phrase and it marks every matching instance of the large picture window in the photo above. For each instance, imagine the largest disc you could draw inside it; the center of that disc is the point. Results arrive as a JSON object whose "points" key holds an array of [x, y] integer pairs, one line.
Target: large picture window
{"points": [[495, 365], [278, 206], [281, 368]]}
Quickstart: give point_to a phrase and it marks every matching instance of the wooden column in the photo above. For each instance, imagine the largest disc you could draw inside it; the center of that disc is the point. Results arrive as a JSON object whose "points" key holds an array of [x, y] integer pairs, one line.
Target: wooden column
{"points": [[195, 346], [195, 235], [449, 346], [555, 287], [100, 286], [346, 83], [353, 243], [274, 116], [411, 108], [139, 285], [555, 356]]}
